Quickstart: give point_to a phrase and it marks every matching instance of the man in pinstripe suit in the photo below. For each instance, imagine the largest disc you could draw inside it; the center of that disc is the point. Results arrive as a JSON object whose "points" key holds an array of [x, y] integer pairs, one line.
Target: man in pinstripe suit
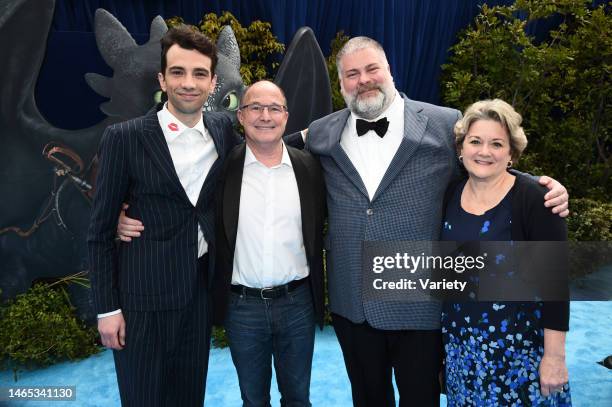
{"points": [[387, 161], [151, 296]]}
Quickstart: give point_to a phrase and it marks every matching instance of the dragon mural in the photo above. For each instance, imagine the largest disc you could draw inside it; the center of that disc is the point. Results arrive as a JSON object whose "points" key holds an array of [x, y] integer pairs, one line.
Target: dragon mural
{"points": [[48, 173]]}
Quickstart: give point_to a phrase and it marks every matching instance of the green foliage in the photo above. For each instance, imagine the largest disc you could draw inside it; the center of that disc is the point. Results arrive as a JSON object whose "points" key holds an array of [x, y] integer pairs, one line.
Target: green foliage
{"points": [[590, 221], [337, 100], [219, 338], [590, 226], [258, 46], [38, 328], [562, 85]]}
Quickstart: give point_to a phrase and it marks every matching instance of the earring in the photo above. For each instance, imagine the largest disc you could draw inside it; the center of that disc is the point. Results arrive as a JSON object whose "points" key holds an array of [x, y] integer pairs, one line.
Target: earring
{"points": [[509, 164], [461, 159]]}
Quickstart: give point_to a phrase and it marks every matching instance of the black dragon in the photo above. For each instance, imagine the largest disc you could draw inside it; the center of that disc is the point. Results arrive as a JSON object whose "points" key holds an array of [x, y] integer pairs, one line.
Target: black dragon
{"points": [[47, 173]]}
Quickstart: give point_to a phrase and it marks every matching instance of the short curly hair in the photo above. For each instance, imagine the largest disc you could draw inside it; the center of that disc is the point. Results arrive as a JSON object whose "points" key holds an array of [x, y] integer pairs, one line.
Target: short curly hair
{"points": [[499, 111]]}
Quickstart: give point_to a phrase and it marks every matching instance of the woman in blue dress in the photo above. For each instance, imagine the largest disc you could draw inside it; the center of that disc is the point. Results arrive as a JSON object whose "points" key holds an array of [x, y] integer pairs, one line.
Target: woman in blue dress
{"points": [[503, 353]]}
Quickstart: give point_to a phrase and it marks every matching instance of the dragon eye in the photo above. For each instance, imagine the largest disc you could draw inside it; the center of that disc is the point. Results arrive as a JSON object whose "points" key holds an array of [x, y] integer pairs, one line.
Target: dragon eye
{"points": [[230, 101], [157, 96]]}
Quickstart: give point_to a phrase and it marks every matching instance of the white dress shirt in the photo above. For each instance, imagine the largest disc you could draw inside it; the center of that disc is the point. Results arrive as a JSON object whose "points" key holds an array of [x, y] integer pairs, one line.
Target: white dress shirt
{"points": [[193, 153], [269, 242], [370, 154]]}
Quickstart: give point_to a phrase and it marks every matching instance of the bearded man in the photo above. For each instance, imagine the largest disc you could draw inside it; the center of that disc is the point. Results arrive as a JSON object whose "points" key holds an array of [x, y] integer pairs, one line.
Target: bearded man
{"points": [[387, 161]]}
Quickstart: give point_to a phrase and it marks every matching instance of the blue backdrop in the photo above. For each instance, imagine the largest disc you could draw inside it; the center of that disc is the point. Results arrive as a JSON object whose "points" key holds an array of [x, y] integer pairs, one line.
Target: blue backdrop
{"points": [[416, 35]]}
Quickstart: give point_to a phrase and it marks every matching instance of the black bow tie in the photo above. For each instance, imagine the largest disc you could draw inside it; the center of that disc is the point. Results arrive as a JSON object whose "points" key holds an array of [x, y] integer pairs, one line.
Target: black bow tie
{"points": [[379, 126]]}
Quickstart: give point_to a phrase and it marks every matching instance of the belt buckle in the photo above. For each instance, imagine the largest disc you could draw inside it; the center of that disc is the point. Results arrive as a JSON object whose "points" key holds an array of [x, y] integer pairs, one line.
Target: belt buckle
{"points": [[261, 293]]}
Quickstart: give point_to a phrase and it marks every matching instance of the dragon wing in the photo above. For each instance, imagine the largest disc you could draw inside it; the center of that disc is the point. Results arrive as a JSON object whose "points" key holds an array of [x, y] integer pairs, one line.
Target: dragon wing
{"points": [[304, 79], [24, 28]]}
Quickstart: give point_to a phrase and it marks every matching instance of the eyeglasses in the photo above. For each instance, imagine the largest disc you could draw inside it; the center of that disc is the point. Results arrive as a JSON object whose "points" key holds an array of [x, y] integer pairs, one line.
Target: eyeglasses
{"points": [[257, 109]]}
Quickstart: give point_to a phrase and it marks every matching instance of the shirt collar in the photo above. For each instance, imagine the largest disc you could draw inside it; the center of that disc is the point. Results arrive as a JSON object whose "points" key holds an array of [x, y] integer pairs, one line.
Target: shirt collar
{"points": [[250, 158], [173, 127]]}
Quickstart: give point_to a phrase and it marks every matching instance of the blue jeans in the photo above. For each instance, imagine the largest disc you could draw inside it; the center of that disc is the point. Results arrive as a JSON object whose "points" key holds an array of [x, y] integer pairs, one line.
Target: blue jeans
{"points": [[260, 329]]}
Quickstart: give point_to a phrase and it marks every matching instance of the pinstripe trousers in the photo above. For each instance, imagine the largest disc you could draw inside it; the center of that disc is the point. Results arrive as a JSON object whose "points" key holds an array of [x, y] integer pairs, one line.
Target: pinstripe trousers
{"points": [[165, 360]]}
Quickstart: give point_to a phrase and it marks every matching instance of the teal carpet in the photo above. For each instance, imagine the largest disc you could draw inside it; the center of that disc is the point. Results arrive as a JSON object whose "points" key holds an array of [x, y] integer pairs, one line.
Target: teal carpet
{"points": [[589, 340]]}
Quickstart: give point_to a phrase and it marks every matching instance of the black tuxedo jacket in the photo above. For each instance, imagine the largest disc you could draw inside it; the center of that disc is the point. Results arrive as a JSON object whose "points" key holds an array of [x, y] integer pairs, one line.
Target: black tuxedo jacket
{"points": [[157, 271], [311, 188]]}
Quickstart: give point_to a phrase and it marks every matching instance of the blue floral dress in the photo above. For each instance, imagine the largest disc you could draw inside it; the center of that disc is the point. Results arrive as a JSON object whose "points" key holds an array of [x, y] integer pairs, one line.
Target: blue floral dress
{"points": [[493, 350]]}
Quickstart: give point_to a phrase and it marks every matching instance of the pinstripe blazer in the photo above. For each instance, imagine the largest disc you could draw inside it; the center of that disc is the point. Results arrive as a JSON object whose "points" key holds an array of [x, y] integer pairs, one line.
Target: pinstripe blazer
{"points": [[406, 206], [158, 270]]}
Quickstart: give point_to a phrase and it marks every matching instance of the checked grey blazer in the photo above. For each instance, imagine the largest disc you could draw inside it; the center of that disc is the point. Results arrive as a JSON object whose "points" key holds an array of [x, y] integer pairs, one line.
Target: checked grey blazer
{"points": [[406, 206]]}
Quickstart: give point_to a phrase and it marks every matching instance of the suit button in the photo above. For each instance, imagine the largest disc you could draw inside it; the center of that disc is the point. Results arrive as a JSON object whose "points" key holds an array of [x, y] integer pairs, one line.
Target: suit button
{"points": [[370, 211]]}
